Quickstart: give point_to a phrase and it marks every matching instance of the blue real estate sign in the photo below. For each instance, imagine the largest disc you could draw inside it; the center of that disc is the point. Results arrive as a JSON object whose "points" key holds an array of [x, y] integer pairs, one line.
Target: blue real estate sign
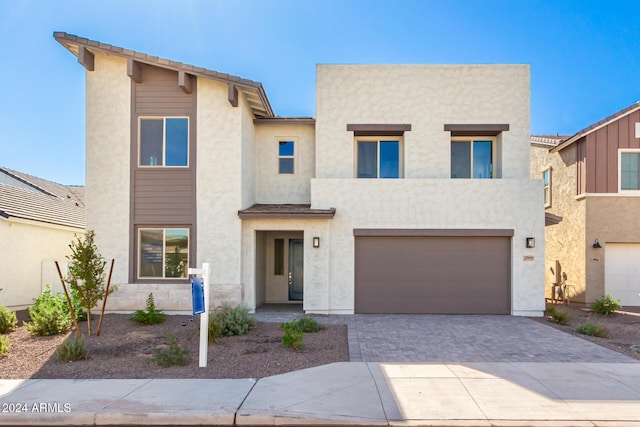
{"points": [[197, 295]]}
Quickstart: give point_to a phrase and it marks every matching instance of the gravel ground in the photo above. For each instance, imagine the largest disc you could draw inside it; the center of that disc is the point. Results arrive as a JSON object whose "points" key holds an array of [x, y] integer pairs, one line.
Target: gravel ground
{"points": [[124, 350], [623, 328]]}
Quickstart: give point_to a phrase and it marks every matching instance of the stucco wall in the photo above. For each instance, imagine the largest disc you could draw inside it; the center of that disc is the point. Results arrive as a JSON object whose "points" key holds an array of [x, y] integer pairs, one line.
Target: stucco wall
{"points": [[435, 203], [25, 247], [108, 159], [271, 187], [610, 219], [427, 97]]}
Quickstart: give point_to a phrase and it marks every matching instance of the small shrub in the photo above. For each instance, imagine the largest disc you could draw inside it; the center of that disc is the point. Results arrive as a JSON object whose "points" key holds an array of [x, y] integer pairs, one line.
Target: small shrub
{"points": [[215, 329], [173, 354], [234, 320], [555, 316], [49, 314], [151, 316], [72, 349], [5, 346], [292, 335], [606, 305], [309, 325], [592, 330], [8, 320]]}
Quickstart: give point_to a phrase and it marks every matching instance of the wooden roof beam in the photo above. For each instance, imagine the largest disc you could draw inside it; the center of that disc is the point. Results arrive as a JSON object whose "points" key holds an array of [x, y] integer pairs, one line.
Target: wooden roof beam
{"points": [[232, 94], [184, 82], [85, 58], [134, 70]]}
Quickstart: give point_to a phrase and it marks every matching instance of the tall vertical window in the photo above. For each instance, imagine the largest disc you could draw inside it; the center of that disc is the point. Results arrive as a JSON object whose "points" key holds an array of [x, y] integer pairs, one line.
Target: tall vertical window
{"points": [[286, 156], [377, 158], [163, 253], [278, 257], [164, 141], [629, 170], [546, 178], [472, 158]]}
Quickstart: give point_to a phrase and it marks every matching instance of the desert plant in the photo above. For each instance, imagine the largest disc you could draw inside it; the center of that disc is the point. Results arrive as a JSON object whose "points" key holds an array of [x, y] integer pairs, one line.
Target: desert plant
{"points": [[8, 320], [292, 335], [72, 349], [215, 329], [309, 324], [606, 305], [234, 320], [151, 316], [5, 346], [555, 316], [86, 273], [49, 314], [592, 330], [172, 354]]}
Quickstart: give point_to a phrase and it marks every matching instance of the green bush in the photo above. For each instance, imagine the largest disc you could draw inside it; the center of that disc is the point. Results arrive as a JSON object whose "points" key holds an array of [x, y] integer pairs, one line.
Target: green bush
{"points": [[555, 316], [215, 329], [234, 320], [292, 335], [606, 305], [49, 314], [173, 354], [72, 349], [5, 346], [309, 324], [592, 330], [151, 316], [8, 320]]}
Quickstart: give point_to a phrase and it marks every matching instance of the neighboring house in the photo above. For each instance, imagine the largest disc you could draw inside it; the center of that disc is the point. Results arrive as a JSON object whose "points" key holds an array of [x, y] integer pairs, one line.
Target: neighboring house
{"points": [[592, 203], [38, 221], [409, 192]]}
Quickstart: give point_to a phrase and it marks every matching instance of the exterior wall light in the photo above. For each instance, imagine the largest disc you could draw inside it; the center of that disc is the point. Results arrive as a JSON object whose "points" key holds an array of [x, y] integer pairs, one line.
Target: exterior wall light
{"points": [[596, 245], [531, 242], [316, 242]]}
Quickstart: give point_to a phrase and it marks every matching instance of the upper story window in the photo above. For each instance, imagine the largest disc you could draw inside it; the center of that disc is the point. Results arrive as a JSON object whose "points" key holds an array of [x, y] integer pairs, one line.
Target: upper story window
{"points": [[472, 157], [629, 170], [164, 141], [546, 178], [286, 157], [379, 157], [163, 253]]}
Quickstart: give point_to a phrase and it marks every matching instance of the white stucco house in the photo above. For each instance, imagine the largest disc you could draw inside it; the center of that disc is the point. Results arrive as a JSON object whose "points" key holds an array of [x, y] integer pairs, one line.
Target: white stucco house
{"points": [[408, 192], [38, 221]]}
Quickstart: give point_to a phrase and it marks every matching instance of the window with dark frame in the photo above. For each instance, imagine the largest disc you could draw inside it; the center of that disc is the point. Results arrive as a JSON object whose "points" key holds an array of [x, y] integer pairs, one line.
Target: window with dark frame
{"points": [[286, 156]]}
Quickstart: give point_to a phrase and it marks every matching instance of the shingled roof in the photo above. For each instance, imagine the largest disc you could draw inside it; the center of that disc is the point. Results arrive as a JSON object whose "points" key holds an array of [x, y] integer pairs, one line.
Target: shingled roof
{"points": [[254, 92], [27, 197]]}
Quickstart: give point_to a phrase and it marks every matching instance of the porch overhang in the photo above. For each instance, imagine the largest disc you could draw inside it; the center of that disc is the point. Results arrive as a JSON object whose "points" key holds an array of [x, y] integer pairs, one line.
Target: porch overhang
{"points": [[285, 211]]}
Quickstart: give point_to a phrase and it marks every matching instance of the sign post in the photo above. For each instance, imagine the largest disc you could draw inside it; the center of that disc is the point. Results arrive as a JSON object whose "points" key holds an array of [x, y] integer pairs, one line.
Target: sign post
{"points": [[200, 299]]}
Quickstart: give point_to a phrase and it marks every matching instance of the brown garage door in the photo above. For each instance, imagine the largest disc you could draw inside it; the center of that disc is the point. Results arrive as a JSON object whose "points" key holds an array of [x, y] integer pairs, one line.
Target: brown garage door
{"points": [[433, 274]]}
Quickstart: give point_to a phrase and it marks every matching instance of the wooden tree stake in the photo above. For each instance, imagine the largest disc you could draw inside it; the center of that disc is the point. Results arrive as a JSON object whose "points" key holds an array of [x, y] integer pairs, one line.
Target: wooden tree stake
{"points": [[106, 294], [66, 294]]}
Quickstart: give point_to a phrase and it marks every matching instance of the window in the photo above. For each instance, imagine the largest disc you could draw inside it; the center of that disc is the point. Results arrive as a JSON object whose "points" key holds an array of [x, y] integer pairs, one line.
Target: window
{"points": [[546, 178], [378, 158], [629, 170], [472, 158], [285, 157], [278, 257], [163, 253], [164, 141]]}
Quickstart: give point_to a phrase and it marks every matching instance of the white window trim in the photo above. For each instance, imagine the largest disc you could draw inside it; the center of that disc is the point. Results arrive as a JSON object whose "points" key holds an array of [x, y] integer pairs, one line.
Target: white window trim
{"points": [[164, 255], [280, 139], [164, 141], [548, 169], [620, 152], [377, 140], [494, 145]]}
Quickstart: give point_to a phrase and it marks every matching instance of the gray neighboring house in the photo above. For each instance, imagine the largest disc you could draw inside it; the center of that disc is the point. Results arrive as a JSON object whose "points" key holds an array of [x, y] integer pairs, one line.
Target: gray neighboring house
{"points": [[38, 221]]}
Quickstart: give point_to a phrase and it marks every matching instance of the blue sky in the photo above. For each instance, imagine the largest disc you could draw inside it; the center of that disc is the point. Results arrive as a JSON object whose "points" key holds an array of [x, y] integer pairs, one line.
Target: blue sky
{"points": [[584, 55]]}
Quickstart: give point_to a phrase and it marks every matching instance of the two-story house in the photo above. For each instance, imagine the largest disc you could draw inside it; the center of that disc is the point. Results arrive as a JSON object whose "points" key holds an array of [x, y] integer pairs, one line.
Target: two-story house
{"points": [[409, 192], [592, 184]]}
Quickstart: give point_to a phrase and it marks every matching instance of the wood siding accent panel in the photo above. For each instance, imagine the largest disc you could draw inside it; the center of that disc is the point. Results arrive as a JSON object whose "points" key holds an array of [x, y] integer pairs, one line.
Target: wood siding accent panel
{"points": [[601, 161], [163, 196], [160, 94], [581, 165], [613, 142], [633, 119], [590, 142]]}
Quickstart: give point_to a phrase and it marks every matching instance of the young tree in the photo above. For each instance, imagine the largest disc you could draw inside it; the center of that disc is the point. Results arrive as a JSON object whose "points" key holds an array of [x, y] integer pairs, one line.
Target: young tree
{"points": [[86, 273]]}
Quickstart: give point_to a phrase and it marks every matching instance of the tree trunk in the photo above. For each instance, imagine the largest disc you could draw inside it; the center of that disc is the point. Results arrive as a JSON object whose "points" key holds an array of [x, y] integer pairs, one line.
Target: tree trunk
{"points": [[88, 321]]}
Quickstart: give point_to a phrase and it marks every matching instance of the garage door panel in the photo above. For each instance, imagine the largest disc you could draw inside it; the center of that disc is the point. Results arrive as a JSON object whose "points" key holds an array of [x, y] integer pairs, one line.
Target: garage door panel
{"points": [[433, 275], [622, 272]]}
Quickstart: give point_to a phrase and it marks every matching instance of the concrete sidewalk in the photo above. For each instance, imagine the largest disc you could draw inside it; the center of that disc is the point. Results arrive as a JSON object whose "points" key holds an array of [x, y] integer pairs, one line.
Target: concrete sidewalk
{"points": [[429, 394]]}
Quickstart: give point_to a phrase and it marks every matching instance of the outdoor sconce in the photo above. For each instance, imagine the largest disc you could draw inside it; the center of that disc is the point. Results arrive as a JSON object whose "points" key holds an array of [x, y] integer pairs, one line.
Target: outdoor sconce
{"points": [[531, 242], [316, 242], [596, 245]]}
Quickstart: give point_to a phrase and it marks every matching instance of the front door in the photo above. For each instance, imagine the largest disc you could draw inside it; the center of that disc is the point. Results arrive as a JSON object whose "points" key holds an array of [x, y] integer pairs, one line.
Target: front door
{"points": [[296, 269]]}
